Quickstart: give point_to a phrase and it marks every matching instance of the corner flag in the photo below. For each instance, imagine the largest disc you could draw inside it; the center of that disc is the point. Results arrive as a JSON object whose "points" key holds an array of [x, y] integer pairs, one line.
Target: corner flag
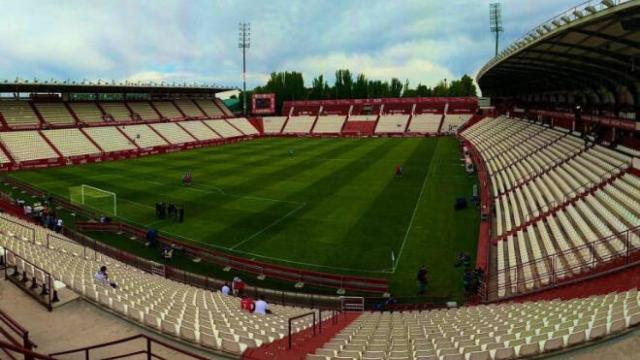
{"points": [[393, 258]]}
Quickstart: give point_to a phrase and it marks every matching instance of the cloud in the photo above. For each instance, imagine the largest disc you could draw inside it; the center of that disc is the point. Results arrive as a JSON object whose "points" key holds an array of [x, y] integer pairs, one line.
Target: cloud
{"points": [[196, 40]]}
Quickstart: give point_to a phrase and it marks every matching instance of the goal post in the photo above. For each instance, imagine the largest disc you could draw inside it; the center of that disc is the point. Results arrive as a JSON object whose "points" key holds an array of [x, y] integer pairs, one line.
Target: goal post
{"points": [[94, 198]]}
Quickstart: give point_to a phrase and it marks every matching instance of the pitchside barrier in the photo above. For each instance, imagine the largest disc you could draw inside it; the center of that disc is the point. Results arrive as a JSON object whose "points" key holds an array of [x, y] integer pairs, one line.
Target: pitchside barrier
{"points": [[354, 283], [93, 249]]}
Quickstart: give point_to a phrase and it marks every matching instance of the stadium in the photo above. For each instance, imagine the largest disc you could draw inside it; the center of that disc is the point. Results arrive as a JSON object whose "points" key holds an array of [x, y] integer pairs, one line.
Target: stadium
{"points": [[171, 220]]}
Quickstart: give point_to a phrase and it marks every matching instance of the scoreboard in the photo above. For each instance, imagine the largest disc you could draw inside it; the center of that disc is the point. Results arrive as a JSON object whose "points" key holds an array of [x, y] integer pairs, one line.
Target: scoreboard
{"points": [[263, 104]]}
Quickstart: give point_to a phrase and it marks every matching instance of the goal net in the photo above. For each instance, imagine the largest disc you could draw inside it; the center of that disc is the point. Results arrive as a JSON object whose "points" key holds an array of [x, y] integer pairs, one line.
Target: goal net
{"points": [[93, 198]]}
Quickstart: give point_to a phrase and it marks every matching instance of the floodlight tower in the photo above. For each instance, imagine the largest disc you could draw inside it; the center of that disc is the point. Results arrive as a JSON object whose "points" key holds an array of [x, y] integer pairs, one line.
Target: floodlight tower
{"points": [[495, 20], [244, 42]]}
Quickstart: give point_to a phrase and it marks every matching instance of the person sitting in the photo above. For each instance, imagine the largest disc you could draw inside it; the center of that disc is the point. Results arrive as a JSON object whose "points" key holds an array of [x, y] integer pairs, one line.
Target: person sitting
{"points": [[261, 306], [225, 289], [102, 277], [247, 304]]}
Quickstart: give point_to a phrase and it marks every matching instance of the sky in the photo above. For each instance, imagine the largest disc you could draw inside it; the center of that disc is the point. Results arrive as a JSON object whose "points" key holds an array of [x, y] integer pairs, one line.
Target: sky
{"points": [[196, 41]]}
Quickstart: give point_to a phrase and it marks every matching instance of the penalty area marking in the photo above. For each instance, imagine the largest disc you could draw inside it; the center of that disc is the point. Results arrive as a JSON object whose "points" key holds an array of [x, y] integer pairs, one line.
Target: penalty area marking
{"points": [[246, 253]]}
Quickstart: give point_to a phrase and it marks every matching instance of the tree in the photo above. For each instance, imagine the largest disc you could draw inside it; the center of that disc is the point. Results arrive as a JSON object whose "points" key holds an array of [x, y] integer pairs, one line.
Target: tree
{"points": [[361, 87], [343, 87], [286, 86], [423, 91], [395, 88], [407, 91], [440, 89], [468, 88], [319, 89]]}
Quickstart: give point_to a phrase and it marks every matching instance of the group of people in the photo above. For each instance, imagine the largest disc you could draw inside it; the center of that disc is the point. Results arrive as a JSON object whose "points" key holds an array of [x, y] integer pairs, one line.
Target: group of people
{"points": [[170, 211], [44, 214], [471, 277], [247, 304]]}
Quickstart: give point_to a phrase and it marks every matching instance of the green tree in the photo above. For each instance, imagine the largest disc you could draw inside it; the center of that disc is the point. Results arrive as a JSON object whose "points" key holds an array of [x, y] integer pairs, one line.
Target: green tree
{"points": [[319, 89], [395, 88], [361, 87], [441, 89], [468, 88], [343, 87]]}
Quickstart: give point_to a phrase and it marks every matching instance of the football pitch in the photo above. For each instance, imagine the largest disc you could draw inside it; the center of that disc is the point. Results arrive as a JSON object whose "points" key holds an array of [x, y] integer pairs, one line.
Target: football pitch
{"points": [[332, 205]]}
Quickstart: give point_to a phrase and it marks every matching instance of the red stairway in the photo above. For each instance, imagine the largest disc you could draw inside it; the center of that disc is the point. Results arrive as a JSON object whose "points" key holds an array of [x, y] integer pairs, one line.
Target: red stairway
{"points": [[303, 343]]}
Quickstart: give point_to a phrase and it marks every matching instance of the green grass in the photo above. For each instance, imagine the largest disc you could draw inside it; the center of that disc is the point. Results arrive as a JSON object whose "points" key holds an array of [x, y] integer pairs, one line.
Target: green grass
{"points": [[334, 205]]}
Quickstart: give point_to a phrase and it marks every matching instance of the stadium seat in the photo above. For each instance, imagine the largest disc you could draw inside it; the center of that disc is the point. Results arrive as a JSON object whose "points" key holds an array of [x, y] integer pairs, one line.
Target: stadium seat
{"points": [[243, 125], [55, 113], [173, 133], [143, 109], [143, 136], [87, 111], [189, 313], [199, 130], [117, 110], [109, 138], [392, 123], [19, 114], [189, 108], [556, 195], [453, 121], [329, 124], [210, 108], [425, 123], [167, 110], [223, 128], [299, 124], [27, 145], [273, 124], [71, 142]]}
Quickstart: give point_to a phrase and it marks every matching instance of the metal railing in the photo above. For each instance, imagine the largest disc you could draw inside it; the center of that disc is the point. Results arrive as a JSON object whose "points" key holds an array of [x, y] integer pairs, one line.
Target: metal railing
{"points": [[47, 295], [569, 265], [147, 349], [27, 353], [291, 319], [557, 22], [16, 335]]}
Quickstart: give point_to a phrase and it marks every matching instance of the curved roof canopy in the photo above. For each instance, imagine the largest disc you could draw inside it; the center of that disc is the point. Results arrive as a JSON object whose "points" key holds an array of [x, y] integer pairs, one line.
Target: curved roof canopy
{"points": [[594, 47]]}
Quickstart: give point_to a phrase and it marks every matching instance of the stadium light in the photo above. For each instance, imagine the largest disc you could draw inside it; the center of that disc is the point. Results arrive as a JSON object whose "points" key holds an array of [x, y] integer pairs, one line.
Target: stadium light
{"points": [[495, 19], [244, 42]]}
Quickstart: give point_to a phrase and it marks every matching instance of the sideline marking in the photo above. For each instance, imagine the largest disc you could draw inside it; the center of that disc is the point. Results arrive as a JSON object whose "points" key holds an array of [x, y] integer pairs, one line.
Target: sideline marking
{"points": [[415, 209]]}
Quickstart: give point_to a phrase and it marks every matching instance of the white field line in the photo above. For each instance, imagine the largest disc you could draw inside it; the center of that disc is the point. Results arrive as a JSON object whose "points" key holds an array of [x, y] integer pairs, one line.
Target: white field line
{"points": [[233, 248], [276, 222], [222, 192], [415, 210]]}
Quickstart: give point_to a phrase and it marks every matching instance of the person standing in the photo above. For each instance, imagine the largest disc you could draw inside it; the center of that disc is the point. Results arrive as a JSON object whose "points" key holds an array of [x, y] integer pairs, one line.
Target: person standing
{"points": [[421, 278], [180, 214]]}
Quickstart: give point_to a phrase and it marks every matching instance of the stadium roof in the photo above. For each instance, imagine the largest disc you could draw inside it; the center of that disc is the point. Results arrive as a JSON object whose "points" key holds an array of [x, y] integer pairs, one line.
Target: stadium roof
{"points": [[104, 87], [592, 48]]}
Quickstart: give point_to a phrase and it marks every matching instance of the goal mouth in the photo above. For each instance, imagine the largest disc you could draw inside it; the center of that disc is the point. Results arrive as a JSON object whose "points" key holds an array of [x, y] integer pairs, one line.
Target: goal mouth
{"points": [[96, 199]]}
